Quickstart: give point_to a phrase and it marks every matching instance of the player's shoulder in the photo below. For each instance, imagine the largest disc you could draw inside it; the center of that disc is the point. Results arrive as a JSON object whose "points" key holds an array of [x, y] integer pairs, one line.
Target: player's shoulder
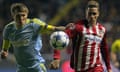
{"points": [[37, 20], [10, 24], [78, 25], [101, 26]]}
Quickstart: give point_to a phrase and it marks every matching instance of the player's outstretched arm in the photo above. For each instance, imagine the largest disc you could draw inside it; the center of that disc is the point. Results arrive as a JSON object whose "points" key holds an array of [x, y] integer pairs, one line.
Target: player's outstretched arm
{"points": [[62, 28], [59, 28], [69, 25]]}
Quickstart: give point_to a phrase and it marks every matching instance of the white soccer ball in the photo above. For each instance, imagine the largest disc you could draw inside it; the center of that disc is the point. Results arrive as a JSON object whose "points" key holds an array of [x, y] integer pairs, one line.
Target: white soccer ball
{"points": [[59, 40]]}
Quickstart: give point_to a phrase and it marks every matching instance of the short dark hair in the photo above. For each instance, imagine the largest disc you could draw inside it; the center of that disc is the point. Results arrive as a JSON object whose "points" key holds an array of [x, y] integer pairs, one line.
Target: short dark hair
{"points": [[19, 7], [92, 4]]}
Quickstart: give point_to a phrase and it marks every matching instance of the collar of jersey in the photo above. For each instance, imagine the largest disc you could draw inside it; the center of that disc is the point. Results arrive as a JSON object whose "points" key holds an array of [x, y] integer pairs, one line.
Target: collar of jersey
{"points": [[27, 22]]}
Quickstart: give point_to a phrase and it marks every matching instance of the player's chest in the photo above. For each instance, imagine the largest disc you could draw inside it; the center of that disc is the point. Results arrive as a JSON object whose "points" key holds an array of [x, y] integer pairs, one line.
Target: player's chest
{"points": [[23, 33], [92, 34]]}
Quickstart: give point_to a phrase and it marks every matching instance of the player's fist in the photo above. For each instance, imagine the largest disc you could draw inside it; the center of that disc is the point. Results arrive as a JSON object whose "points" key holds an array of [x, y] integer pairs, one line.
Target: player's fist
{"points": [[4, 54], [70, 25], [55, 64]]}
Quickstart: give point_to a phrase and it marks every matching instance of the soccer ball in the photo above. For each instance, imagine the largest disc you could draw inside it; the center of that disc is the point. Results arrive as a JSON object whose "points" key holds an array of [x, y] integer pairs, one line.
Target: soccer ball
{"points": [[59, 40]]}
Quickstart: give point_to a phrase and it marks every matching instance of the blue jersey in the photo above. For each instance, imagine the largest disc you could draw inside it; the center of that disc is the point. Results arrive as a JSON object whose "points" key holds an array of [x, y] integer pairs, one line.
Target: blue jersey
{"points": [[26, 42], [38, 47]]}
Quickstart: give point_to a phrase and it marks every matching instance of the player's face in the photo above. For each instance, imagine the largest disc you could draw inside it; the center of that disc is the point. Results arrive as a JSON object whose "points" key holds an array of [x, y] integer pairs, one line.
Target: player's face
{"points": [[20, 18], [92, 15]]}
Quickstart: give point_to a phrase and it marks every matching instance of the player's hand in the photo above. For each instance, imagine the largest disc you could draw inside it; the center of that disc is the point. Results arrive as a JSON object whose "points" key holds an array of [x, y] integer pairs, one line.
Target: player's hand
{"points": [[109, 70], [70, 25], [4, 54], [55, 64]]}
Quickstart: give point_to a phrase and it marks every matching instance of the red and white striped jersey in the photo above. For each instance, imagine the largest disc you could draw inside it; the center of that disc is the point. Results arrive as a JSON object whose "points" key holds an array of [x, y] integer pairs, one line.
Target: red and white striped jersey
{"points": [[86, 42]]}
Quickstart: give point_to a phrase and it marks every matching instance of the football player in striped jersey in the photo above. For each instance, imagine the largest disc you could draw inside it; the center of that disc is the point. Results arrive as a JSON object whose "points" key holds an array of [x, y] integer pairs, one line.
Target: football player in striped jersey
{"points": [[88, 43]]}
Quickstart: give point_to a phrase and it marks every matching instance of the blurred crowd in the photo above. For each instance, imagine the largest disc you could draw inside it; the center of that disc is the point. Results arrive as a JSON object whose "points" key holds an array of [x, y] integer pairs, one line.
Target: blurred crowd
{"points": [[47, 9]]}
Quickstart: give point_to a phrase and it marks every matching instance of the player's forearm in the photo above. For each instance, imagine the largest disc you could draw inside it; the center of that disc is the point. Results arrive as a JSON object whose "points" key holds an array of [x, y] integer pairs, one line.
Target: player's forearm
{"points": [[60, 28], [107, 59], [6, 45], [106, 56], [105, 53], [50, 27], [69, 25]]}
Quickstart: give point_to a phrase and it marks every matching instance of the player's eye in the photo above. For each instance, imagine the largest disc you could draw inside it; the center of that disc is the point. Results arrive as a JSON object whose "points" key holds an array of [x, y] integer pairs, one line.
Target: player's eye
{"points": [[92, 13], [22, 15]]}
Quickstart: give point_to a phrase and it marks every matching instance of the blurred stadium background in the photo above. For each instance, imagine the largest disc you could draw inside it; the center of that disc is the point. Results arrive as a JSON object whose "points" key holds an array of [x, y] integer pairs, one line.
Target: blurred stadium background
{"points": [[59, 12]]}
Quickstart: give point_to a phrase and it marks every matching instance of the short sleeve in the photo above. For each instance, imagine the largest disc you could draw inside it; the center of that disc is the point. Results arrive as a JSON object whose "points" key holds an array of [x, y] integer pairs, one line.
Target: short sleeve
{"points": [[6, 33], [44, 27]]}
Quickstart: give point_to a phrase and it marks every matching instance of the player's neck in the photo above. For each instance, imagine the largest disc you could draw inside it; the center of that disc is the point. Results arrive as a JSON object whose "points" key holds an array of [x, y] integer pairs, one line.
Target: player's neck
{"points": [[92, 24], [19, 25]]}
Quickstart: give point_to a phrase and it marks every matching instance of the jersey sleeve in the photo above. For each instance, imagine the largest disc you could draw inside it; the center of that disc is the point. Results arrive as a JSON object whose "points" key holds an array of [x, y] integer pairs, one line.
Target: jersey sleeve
{"points": [[6, 43], [105, 52], [6, 32], [44, 27], [71, 31], [56, 54]]}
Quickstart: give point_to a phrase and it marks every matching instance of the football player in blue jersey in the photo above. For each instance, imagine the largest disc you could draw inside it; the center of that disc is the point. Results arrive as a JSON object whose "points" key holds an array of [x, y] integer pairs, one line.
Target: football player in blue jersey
{"points": [[23, 33]]}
